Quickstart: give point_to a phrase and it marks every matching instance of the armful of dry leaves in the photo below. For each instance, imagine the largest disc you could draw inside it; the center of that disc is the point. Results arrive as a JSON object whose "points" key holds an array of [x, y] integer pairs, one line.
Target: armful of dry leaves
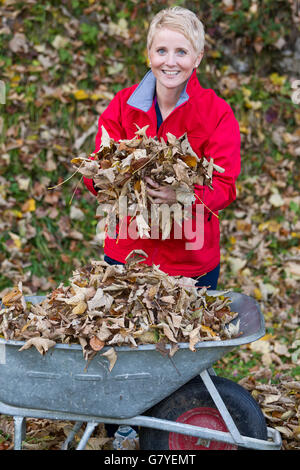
{"points": [[119, 169], [119, 305]]}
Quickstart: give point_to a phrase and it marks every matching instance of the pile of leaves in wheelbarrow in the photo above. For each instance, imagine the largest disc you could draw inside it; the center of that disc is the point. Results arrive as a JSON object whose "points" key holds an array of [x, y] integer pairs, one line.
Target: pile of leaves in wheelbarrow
{"points": [[119, 170], [119, 305]]}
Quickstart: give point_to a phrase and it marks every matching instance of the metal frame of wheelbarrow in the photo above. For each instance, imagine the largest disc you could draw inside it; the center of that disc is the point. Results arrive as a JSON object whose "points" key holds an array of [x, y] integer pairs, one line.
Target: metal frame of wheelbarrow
{"points": [[205, 435], [135, 366]]}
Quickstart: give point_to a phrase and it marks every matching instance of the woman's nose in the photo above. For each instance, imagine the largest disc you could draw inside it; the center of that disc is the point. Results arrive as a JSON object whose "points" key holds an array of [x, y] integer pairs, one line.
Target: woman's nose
{"points": [[171, 59]]}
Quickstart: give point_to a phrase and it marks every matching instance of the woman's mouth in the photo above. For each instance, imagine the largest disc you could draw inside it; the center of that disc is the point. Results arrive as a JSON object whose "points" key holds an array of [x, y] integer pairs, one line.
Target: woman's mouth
{"points": [[170, 73]]}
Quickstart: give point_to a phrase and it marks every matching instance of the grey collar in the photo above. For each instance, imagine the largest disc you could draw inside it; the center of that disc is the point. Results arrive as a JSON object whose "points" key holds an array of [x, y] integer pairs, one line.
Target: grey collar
{"points": [[142, 97]]}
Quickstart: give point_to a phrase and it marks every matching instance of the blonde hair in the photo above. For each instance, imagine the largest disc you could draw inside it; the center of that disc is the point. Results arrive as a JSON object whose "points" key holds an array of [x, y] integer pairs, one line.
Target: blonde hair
{"points": [[182, 20]]}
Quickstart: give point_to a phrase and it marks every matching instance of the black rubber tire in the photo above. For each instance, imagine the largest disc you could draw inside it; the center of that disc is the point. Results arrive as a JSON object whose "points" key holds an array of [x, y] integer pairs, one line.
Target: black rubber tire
{"points": [[242, 407]]}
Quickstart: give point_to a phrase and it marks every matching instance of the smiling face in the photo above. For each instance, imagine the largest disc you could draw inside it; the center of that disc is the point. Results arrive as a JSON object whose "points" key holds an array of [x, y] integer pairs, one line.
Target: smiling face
{"points": [[172, 59]]}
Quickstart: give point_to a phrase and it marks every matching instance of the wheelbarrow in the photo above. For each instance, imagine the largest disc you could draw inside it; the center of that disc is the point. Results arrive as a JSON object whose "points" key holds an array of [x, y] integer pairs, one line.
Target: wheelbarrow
{"points": [[177, 403]]}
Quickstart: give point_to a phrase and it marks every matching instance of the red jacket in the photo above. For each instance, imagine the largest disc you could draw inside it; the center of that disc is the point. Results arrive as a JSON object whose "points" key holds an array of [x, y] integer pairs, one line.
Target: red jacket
{"points": [[212, 131]]}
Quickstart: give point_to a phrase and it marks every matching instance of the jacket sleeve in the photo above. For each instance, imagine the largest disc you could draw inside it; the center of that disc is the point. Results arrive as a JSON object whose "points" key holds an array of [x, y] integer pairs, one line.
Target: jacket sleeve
{"points": [[224, 147], [112, 121]]}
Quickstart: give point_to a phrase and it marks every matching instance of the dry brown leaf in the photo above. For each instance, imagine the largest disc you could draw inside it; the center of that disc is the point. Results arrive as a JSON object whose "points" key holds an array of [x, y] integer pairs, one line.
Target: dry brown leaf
{"points": [[11, 297], [96, 344], [80, 308], [41, 344], [111, 356]]}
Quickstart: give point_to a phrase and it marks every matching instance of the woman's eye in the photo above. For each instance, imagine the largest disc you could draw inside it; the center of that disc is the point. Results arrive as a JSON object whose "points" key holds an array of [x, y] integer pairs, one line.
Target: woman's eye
{"points": [[181, 52], [161, 51]]}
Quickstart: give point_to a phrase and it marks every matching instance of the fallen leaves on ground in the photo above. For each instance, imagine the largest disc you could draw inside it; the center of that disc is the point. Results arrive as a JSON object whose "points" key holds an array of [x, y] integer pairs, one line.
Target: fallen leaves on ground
{"points": [[260, 247], [280, 405]]}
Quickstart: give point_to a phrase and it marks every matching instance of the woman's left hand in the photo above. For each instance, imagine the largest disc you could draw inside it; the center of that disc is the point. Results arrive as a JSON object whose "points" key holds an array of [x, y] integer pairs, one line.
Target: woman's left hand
{"points": [[161, 194]]}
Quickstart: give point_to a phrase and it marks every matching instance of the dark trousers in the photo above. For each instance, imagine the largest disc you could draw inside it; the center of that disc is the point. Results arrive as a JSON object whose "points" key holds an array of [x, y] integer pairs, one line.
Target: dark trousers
{"points": [[208, 280]]}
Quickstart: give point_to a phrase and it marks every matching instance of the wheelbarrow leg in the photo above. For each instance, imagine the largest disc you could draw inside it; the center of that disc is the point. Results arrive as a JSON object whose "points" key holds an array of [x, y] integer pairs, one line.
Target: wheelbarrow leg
{"points": [[91, 425], [19, 431], [71, 435]]}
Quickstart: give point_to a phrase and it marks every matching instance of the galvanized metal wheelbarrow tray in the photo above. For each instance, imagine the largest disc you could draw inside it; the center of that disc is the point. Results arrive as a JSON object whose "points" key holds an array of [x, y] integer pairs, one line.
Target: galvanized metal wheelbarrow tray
{"points": [[59, 385]]}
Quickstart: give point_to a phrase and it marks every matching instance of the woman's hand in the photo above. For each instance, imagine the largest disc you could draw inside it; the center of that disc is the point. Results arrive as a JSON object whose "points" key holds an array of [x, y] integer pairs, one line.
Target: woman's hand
{"points": [[161, 194]]}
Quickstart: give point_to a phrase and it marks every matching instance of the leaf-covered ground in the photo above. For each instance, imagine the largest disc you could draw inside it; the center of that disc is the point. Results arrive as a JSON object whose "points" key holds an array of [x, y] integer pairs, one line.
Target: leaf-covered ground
{"points": [[60, 64]]}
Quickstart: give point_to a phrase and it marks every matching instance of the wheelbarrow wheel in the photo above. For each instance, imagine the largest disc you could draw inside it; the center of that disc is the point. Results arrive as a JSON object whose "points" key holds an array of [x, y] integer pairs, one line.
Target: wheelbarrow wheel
{"points": [[192, 404]]}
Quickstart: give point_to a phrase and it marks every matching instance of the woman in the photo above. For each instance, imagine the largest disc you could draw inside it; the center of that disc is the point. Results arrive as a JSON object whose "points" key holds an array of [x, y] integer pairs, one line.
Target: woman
{"points": [[169, 99]]}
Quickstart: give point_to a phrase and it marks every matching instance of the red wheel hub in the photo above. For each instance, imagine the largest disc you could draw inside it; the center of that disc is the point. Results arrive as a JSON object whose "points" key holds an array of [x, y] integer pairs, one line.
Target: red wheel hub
{"points": [[209, 418]]}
